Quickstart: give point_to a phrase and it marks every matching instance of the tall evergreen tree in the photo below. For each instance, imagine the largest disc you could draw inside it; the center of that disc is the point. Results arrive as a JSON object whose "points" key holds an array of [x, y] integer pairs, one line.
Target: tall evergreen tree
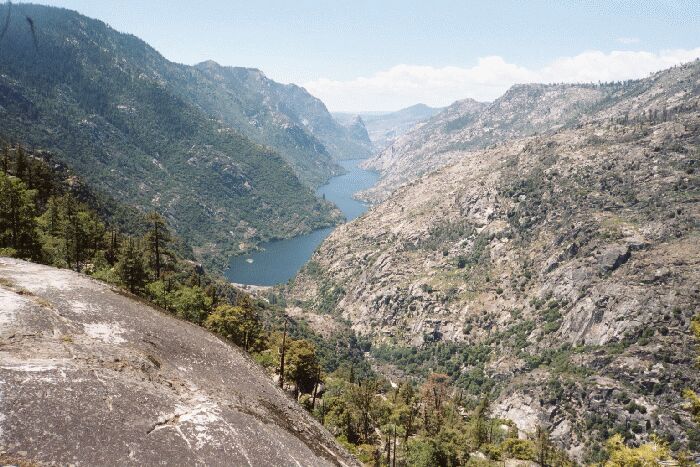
{"points": [[282, 353], [543, 447], [157, 240], [17, 218], [6, 159], [53, 216], [363, 404], [112, 253], [20, 163], [130, 267], [302, 365], [94, 231], [482, 421], [73, 232]]}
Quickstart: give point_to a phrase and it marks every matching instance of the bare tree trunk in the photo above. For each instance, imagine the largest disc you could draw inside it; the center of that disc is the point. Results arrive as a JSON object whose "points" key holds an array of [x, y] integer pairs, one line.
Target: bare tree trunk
{"points": [[318, 380], [284, 340], [157, 251], [394, 461], [323, 412], [388, 449]]}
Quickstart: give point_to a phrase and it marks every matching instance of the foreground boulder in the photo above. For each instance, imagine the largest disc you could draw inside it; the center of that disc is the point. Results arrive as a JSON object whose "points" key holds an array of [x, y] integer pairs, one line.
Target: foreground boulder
{"points": [[89, 376]]}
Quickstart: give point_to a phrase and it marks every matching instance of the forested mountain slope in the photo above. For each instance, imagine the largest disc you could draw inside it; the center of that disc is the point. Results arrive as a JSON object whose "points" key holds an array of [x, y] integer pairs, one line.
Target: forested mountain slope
{"points": [[245, 100], [525, 109], [113, 109], [283, 116], [267, 103], [559, 271]]}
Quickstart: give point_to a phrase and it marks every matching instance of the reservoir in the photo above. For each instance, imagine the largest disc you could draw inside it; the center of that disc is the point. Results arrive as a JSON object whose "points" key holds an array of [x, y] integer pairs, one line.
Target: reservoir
{"points": [[280, 260]]}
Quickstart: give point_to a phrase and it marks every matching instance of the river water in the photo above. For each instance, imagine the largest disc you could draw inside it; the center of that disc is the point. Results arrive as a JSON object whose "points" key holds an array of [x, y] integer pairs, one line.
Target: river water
{"points": [[280, 260]]}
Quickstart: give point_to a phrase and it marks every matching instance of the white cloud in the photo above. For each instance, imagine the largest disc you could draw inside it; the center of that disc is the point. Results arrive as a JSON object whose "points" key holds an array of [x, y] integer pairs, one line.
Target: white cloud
{"points": [[404, 85]]}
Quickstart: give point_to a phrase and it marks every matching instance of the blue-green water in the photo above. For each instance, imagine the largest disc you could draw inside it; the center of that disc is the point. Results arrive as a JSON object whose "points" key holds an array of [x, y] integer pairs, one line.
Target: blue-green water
{"points": [[280, 260]]}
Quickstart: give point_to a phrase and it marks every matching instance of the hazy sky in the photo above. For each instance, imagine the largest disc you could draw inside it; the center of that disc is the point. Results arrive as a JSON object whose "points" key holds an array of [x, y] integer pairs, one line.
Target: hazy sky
{"points": [[384, 55]]}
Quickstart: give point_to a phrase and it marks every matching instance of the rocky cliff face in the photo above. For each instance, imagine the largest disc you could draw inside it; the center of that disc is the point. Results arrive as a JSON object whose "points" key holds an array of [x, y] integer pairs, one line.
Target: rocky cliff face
{"points": [[384, 127], [561, 269], [525, 109], [248, 101], [261, 108], [92, 377], [343, 142], [409, 154]]}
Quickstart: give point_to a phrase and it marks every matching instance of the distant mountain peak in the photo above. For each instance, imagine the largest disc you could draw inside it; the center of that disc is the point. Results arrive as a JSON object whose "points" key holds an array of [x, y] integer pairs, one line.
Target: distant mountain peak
{"points": [[418, 106], [212, 65], [208, 64], [524, 109], [304, 116]]}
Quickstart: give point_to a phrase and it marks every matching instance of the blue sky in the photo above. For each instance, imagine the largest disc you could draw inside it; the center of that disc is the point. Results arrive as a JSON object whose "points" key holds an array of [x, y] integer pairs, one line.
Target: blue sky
{"points": [[375, 55]]}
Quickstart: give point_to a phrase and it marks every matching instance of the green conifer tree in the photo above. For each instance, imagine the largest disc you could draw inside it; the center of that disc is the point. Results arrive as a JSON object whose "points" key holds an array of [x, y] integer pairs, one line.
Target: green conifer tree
{"points": [[20, 163], [73, 232], [6, 160], [17, 218], [157, 241], [130, 267]]}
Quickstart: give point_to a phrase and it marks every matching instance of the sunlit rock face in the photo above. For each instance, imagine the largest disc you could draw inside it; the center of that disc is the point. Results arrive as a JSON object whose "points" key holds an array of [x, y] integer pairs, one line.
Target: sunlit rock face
{"points": [[570, 261], [89, 376]]}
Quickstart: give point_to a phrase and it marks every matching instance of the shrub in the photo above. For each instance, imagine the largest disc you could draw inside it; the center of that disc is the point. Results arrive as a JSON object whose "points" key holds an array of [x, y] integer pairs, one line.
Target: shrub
{"points": [[518, 449], [493, 452]]}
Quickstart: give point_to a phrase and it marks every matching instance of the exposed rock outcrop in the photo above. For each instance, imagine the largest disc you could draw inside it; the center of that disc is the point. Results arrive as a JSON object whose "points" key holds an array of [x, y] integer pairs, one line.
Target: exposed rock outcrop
{"points": [[384, 127], [89, 376], [569, 261], [525, 109], [260, 107]]}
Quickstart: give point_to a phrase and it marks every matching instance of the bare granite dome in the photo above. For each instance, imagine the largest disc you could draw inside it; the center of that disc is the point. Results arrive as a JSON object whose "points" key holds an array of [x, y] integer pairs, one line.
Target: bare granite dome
{"points": [[89, 376]]}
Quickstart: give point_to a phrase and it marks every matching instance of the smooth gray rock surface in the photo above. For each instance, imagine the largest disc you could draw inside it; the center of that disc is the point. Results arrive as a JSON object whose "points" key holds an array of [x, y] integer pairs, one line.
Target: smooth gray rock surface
{"points": [[89, 376]]}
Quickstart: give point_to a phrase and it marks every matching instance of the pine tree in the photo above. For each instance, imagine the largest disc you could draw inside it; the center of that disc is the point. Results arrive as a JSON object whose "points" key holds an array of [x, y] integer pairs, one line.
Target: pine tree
{"points": [[408, 410], [282, 353], [363, 403], [21, 163], [53, 216], [157, 240], [112, 248], [130, 267], [73, 232], [17, 218], [94, 231], [301, 365], [543, 447], [6, 160], [482, 421], [434, 393]]}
